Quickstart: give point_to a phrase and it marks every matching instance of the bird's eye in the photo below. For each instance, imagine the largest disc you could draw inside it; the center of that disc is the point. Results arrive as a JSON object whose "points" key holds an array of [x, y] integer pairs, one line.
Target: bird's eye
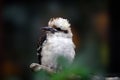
{"points": [[65, 31], [58, 29]]}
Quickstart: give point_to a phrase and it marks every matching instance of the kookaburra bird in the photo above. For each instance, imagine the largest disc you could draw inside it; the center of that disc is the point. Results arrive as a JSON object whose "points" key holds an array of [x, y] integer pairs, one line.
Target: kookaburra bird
{"points": [[56, 42]]}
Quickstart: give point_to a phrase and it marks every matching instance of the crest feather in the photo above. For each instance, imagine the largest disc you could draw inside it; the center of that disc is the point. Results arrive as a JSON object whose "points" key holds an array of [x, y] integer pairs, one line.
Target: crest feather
{"points": [[59, 23]]}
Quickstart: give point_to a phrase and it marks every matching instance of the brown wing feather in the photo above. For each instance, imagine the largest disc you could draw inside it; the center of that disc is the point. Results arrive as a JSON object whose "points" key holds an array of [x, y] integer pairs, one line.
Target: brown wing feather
{"points": [[41, 39]]}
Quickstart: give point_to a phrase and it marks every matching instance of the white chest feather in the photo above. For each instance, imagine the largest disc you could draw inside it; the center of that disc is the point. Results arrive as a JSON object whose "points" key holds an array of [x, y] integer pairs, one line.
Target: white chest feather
{"points": [[56, 46]]}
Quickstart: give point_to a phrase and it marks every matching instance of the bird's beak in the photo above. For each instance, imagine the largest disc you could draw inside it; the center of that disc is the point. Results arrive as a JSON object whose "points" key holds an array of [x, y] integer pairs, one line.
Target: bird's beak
{"points": [[46, 28], [49, 29]]}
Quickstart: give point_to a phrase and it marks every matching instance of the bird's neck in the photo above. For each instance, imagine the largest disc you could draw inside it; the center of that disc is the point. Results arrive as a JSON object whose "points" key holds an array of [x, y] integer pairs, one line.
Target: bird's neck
{"points": [[59, 35]]}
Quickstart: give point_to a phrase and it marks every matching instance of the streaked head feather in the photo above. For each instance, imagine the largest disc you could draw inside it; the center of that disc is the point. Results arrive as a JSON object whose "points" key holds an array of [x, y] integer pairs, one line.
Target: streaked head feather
{"points": [[59, 22]]}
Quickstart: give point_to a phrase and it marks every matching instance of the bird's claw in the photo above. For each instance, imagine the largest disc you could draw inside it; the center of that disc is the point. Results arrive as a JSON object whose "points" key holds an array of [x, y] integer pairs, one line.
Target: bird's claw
{"points": [[37, 67]]}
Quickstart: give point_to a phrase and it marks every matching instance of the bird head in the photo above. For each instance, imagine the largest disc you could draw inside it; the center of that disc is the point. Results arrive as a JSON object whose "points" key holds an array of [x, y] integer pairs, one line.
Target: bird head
{"points": [[58, 25]]}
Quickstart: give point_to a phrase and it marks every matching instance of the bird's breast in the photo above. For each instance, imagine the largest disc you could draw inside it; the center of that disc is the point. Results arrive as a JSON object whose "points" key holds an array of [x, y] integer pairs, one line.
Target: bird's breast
{"points": [[56, 47], [59, 46], [60, 42]]}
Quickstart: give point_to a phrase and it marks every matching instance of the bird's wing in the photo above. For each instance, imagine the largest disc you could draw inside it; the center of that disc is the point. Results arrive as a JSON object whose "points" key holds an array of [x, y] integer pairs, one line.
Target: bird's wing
{"points": [[40, 42]]}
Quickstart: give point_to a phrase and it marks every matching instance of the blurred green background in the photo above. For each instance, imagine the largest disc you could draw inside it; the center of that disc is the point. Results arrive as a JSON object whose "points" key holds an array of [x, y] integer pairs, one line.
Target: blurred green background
{"points": [[20, 29]]}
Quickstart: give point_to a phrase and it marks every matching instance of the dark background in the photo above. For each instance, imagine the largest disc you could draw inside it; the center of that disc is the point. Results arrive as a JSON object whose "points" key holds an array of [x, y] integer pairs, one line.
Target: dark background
{"points": [[20, 24]]}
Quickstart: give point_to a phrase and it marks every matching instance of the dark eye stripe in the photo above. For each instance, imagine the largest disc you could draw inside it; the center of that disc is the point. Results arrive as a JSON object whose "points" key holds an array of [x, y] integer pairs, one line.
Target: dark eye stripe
{"points": [[58, 29], [65, 31]]}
